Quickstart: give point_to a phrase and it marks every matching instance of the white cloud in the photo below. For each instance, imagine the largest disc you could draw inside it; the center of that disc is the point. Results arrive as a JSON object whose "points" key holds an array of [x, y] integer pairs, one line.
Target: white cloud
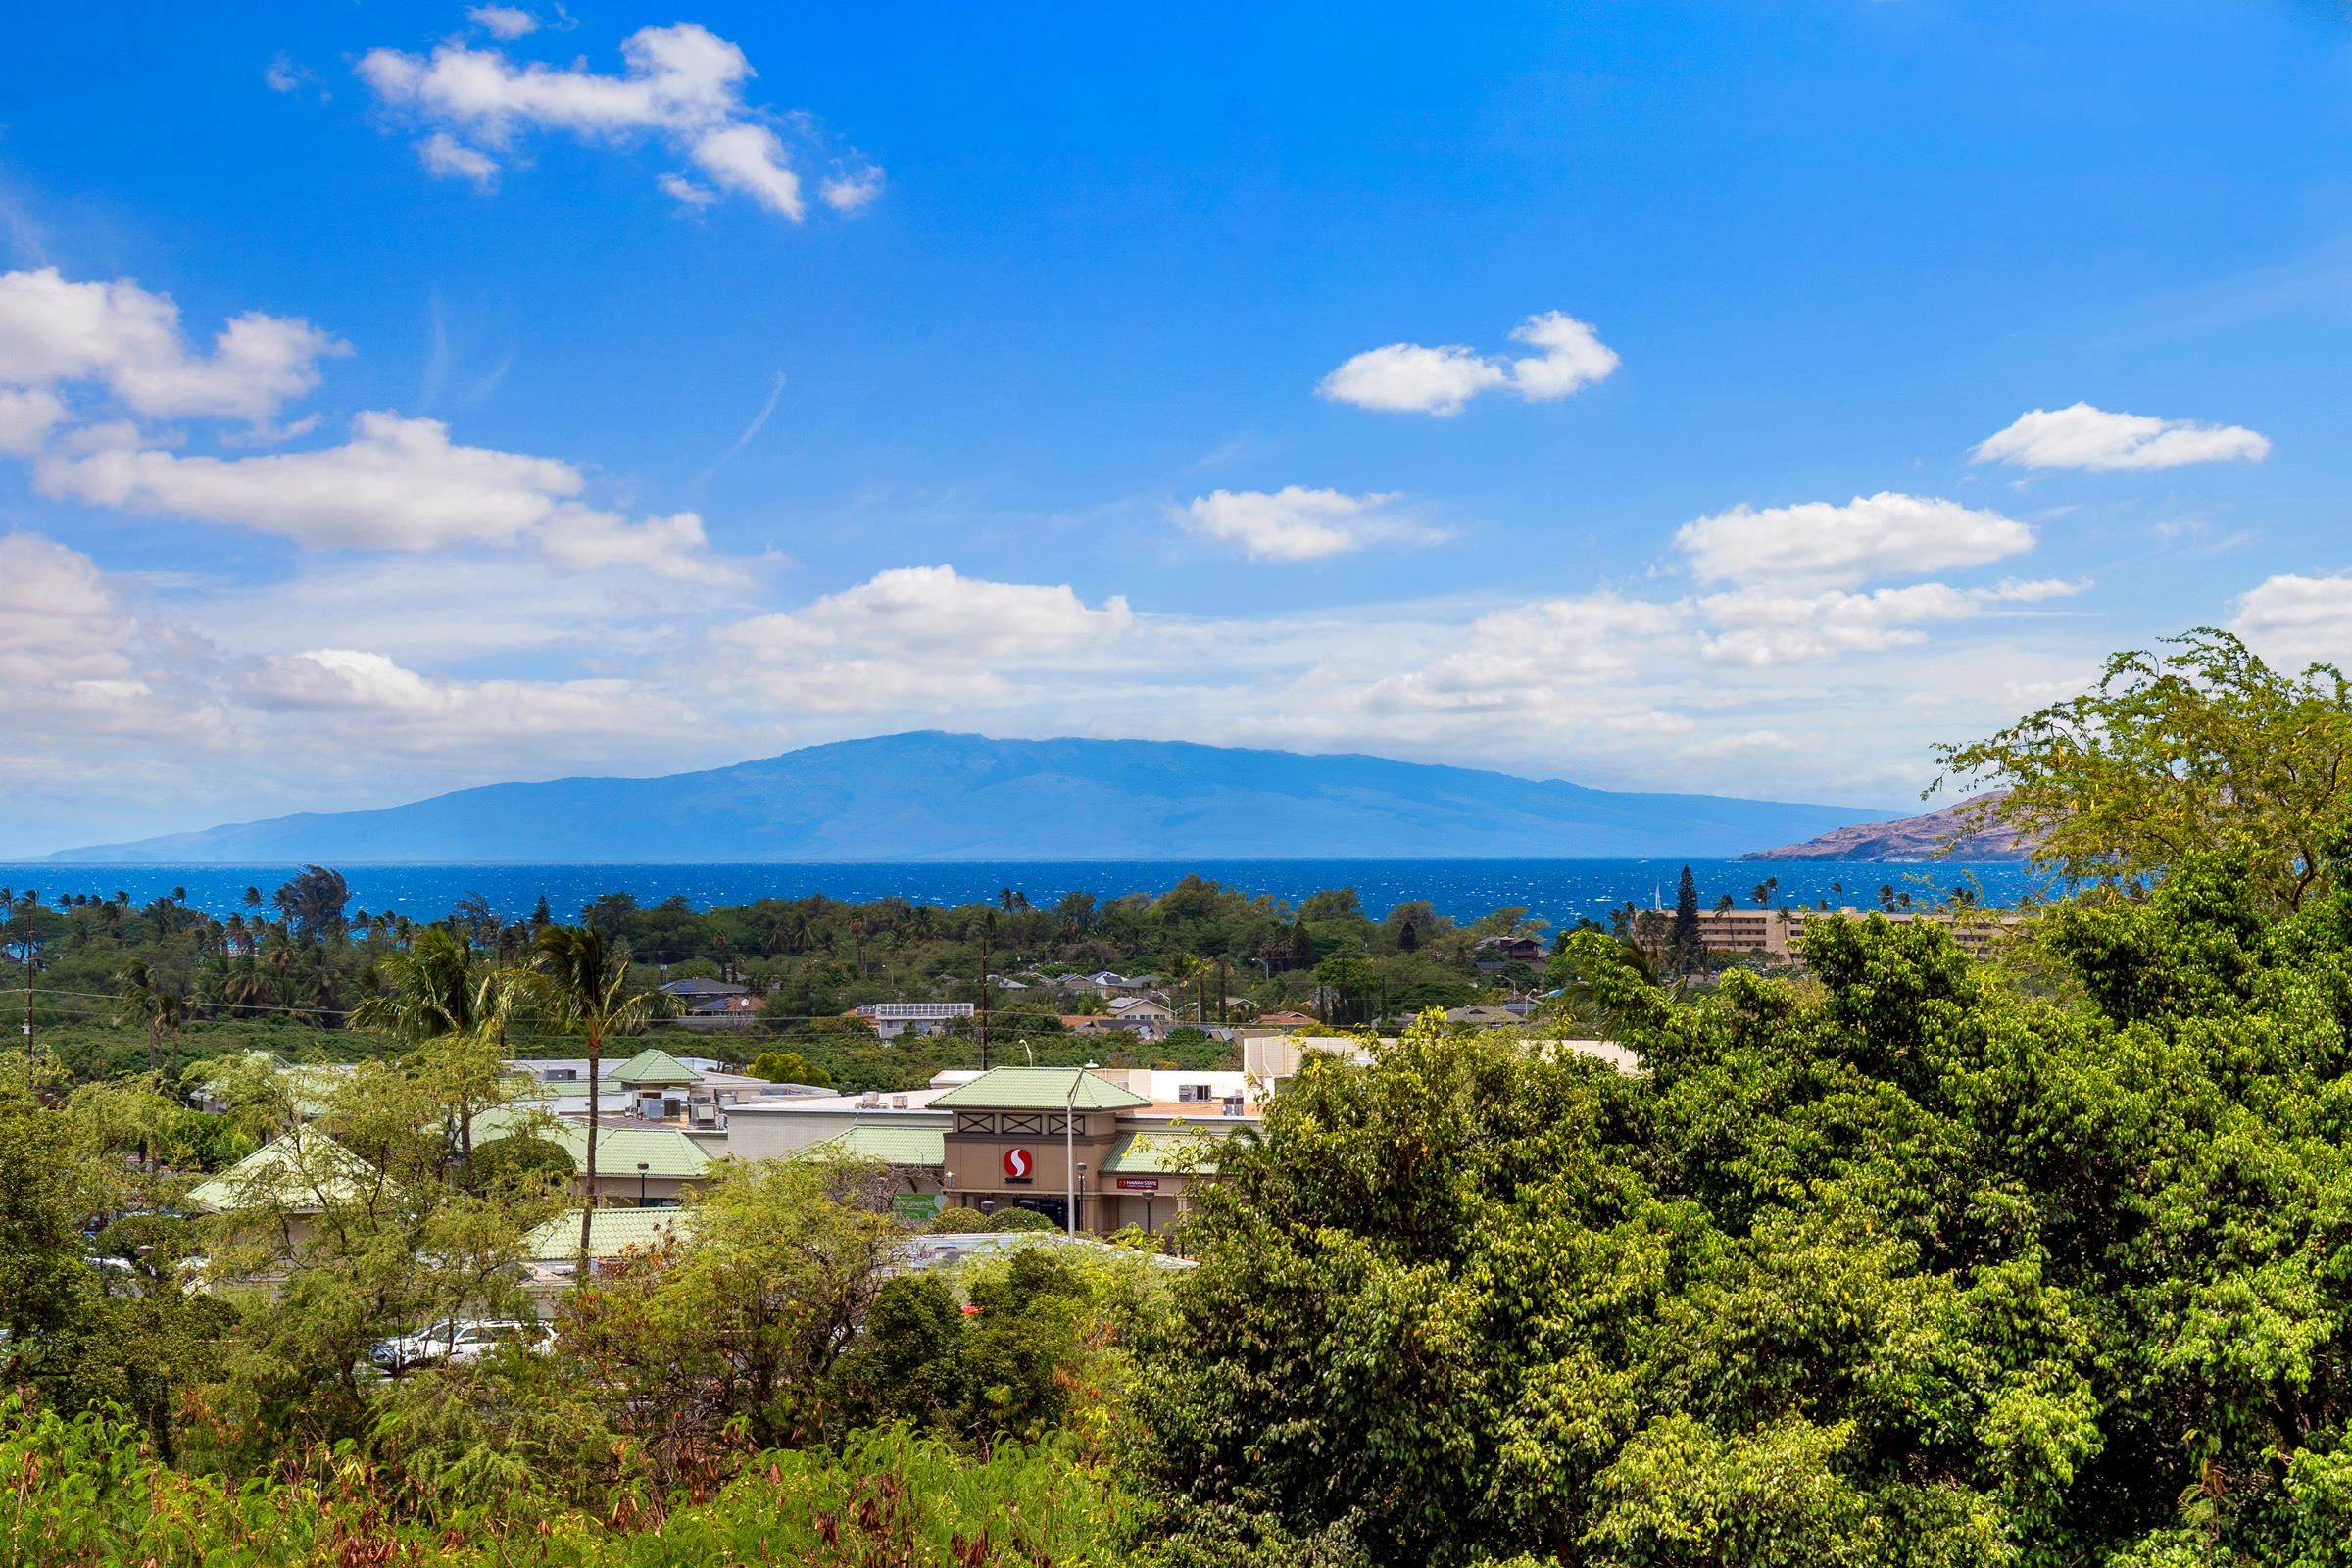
{"points": [[2297, 619], [1528, 658], [1763, 627], [2082, 436], [60, 623], [583, 539], [680, 188], [851, 191], [1410, 378], [54, 331], [503, 22], [26, 418], [749, 159], [448, 157], [397, 484], [1822, 544], [284, 75], [1295, 523], [683, 82], [923, 637], [1573, 357], [445, 715]]}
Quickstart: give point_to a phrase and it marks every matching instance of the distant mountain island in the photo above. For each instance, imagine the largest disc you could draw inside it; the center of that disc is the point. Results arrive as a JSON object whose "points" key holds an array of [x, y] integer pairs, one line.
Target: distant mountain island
{"points": [[933, 795], [1935, 836]]}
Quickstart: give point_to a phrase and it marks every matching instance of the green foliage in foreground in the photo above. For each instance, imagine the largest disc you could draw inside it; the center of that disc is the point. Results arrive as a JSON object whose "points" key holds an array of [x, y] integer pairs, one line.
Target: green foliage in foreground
{"points": [[1901, 1263], [82, 1490]]}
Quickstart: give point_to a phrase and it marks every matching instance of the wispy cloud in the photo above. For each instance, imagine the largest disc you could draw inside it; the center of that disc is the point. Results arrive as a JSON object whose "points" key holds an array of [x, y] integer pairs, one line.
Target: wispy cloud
{"points": [[775, 391]]}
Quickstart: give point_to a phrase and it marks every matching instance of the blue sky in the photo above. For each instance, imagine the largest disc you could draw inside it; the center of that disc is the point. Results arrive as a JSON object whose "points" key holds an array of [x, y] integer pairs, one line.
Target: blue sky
{"points": [[1145, 371]]}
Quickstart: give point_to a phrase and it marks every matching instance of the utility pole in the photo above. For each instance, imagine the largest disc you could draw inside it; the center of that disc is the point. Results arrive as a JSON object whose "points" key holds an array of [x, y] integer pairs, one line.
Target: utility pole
{"points": [[988, 928], [30, 898]]}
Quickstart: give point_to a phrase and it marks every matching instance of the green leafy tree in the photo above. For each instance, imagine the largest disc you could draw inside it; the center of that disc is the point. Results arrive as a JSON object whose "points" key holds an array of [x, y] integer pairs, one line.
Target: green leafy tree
{"points": [[2178, 754]]}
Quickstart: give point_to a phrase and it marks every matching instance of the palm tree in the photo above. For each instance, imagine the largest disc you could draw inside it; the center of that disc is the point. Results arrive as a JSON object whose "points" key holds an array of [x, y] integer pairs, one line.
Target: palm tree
{"points": [[588, 984], [139, 999]]}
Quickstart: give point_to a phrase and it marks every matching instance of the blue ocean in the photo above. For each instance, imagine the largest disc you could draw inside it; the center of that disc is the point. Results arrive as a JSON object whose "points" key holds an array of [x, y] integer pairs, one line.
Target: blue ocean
{"points": [[1558, 891]]}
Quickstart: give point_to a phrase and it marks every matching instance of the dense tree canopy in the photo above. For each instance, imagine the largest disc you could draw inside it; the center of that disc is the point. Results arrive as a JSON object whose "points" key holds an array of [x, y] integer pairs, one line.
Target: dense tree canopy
{"points": [[1910, 1263]]}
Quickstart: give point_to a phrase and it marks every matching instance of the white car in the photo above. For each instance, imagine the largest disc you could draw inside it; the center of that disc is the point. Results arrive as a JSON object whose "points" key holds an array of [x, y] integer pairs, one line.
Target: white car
{"points": [[461, 1343]]}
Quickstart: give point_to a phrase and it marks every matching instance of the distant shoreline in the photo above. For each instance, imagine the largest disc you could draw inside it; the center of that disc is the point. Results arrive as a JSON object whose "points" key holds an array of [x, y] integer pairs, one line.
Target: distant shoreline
{"points": [[1561, 890]]}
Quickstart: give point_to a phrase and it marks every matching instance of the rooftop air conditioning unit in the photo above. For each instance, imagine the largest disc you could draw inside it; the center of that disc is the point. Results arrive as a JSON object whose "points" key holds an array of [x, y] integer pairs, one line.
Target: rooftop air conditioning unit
{"points": [[898, 1102], [869, 1101], [1233, 1104]]}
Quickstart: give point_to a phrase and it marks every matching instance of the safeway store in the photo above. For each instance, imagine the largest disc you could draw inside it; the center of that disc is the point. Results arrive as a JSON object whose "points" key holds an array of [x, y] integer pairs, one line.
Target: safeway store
{"points": [[1079, 1147]]}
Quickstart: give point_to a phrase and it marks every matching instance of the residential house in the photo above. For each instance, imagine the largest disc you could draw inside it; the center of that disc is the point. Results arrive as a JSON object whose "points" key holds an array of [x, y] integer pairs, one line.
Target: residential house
{"points": [[1509, 950], [695, 992], [290, 1180], [890, 1019], [1483, 1017], [1104, 983]]}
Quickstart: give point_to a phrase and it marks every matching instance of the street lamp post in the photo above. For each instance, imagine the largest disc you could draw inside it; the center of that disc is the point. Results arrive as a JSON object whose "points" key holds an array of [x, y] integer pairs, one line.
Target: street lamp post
{"points": [[641, 1169], [1069, 1150]]}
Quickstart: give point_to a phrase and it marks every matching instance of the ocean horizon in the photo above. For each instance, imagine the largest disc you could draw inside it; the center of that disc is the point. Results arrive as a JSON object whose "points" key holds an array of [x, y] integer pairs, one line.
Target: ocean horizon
{"points": [[1560, 891]]}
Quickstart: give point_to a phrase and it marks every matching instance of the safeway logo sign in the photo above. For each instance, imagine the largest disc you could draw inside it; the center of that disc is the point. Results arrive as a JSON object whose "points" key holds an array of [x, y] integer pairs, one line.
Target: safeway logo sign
{"points": [[1017, 1164]]}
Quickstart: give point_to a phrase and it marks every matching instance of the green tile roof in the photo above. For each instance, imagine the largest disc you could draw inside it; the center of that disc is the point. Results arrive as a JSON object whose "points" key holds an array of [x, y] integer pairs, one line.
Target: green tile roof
{"points": [[651, 1068], [924, 1147], [610, 1232], [668, 1156], [1037, 1089], [1158, 1154], [303, 1171]]}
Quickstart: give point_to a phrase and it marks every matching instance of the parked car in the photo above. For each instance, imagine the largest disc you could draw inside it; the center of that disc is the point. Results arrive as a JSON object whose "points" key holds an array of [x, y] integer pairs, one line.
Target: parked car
{"points": [[457, 1342]]}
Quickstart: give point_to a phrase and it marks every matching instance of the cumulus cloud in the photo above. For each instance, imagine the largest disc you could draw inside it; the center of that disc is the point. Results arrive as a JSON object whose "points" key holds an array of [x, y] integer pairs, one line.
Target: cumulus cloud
{"points": [[1570, 357], [61, 626], [53, 331], [682, 83], [2298, 619], [396, 484], [1411, 378], [1823, 544], [26, 418], [448, 157], [750, 159], [1295, 523], [920, 636], [851, 191], [503, 22], [2082, 436], [584, 539]]}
